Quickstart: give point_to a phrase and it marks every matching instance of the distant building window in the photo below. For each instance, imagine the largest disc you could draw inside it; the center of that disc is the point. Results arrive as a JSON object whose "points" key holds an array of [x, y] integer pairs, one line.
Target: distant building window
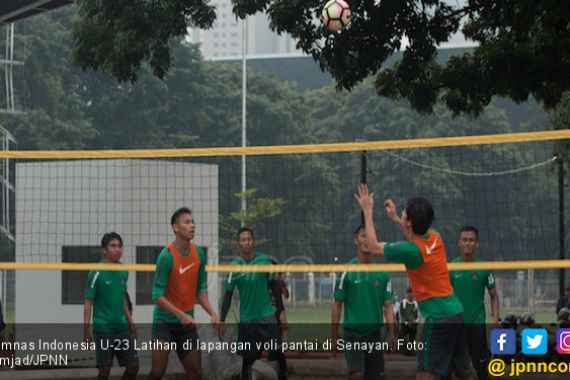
{"points": [[73, 282], [216, 35], [146, 255], [216, 44]]}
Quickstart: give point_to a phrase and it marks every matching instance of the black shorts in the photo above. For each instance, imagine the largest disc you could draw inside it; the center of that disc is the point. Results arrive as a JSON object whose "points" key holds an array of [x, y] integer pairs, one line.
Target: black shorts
{"points": [[120, 344], [371, 363], [258, 336], [477, 343], [444, 347], [185, 338]]}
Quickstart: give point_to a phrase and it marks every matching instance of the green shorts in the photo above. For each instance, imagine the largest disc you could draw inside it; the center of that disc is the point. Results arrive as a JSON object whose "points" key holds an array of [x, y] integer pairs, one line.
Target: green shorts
{"points": [[120, 344]]}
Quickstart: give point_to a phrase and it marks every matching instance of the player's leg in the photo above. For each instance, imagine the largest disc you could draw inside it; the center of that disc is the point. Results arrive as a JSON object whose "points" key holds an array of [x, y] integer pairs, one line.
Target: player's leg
{"points": [[186, 340], [374, 361], [192, 364], [161, 332], [103, 355], [127, 355], [435, 359], [477, 343], [412, 333], [355, 359], [460, 361], [248, 335], [269, 333]]}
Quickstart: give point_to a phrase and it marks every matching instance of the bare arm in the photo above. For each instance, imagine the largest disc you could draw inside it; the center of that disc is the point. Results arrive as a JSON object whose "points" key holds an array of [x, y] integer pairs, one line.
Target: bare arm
{"points": [[335, 320], [366, 202], [130, 320], [390, 322], [87, 309], [494, 305], [205, 303]]}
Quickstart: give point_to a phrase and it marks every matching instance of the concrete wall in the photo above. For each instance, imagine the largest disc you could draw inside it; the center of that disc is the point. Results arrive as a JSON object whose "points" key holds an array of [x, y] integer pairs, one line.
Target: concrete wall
{"points": [[73, 203]]}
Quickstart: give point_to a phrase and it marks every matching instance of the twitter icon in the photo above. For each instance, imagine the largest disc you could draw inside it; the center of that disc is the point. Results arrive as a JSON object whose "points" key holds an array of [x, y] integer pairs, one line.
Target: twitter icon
{"points": [[534, 341]]}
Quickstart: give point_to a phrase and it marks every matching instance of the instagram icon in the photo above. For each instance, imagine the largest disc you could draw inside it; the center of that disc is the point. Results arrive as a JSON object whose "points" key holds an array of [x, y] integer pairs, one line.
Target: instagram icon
{"points": [[563, 341]]}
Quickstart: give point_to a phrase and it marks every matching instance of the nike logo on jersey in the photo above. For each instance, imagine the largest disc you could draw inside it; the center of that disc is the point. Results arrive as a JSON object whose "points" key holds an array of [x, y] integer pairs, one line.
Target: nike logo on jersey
{"points": [[108, 282], [182, 270], [357, 281], [429, 249]]}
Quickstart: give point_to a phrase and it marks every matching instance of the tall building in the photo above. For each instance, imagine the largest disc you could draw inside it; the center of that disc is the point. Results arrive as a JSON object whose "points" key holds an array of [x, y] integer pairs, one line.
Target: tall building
{"points": [[225, 38]]}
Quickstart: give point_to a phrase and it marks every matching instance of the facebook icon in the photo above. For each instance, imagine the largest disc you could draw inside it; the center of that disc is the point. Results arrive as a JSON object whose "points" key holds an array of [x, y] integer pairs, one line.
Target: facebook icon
{"points": [[503, 341]]}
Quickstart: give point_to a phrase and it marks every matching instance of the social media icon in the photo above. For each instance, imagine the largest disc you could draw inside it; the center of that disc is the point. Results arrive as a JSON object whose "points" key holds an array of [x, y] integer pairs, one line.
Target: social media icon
{"points": [[534, 341], [563, 341], [503, 341]]}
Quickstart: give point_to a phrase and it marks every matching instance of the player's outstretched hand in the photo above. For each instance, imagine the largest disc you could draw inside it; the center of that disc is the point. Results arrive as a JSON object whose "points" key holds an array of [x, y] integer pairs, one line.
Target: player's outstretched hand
{"points": [[364, 198], [391, 211]]}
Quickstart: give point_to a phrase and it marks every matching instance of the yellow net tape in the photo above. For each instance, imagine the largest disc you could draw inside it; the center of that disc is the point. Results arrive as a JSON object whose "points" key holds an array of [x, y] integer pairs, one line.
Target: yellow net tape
{"points": [[292, 149], [292, 268]]}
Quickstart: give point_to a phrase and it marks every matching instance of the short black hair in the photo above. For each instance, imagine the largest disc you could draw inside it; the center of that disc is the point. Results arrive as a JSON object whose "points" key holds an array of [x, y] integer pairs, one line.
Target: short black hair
{"points": [[358, 229], [469, 229], [108, 237], [420, 213], [244, 229], [177, 213]]}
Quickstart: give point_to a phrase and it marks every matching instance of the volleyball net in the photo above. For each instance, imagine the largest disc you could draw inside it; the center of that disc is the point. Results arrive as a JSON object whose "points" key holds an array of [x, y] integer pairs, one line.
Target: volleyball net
{"points": [[299, 202]]}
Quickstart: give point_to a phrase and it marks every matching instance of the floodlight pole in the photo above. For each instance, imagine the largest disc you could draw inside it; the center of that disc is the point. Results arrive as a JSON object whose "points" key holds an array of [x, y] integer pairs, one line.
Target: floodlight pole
{"points": [[243, 115]]}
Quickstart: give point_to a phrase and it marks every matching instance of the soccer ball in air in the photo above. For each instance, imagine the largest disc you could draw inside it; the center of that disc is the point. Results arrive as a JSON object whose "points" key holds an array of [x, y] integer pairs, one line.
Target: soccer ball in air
{"points": [[336, 15]]}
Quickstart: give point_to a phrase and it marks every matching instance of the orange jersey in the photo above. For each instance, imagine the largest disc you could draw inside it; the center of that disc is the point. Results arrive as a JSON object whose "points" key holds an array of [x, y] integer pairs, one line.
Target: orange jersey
{"points": [[183, 279], [431, 279]]}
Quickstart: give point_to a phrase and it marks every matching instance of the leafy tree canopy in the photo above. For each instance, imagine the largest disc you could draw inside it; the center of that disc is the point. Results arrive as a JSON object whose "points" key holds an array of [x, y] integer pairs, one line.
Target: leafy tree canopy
{"points": [[523, 46]]}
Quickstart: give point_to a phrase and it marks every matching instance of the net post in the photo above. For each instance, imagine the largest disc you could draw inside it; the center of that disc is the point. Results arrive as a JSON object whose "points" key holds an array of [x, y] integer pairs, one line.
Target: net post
{"points": [[363, 174], [561, 227]]}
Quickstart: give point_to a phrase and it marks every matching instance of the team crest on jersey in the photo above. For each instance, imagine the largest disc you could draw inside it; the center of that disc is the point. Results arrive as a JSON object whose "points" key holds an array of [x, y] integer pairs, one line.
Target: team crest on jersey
{"points": [[474, 277], [376, 282]]}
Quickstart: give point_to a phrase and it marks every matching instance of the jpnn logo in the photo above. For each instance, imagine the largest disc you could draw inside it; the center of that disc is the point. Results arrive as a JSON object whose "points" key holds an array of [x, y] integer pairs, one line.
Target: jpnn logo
{"points": [[534, 341], [503, 341]]}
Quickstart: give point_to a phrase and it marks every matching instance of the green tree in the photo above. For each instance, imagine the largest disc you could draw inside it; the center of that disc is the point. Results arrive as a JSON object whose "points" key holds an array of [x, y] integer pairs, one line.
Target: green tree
{"points": [[522, 45], [559, 118], [258, 209]]}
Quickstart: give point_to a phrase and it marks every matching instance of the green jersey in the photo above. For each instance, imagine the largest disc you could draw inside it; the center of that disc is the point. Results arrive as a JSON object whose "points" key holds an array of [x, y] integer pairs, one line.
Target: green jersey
{"points": [[469, 287], [107, 290], [255, 301], [164, 268], [363, 295]]}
